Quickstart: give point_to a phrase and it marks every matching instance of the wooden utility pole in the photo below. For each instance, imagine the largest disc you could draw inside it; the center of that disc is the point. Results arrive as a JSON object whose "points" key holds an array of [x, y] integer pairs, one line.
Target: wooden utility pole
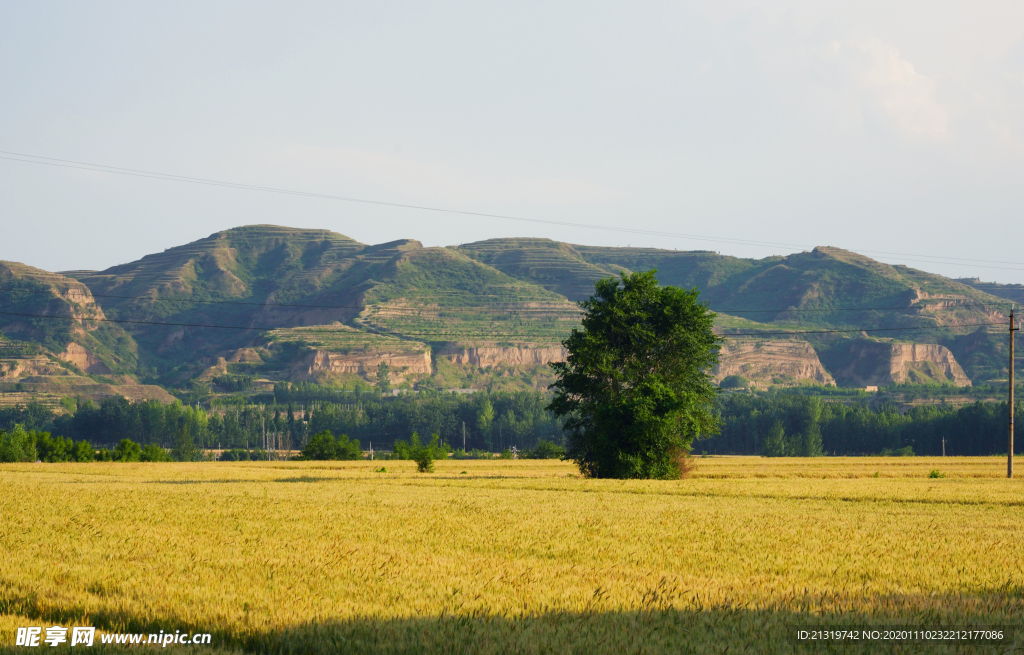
{"points": [[463, 436], [1009, 447]]}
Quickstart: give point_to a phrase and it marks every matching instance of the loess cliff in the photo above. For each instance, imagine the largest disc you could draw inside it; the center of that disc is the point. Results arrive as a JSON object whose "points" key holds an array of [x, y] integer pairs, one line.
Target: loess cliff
{"points": [[767, 363]]}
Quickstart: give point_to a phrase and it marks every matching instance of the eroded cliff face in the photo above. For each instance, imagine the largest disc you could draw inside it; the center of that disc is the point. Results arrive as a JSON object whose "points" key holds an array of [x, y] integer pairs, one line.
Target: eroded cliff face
{"points": [[491, 356], [874, 363], [364, 363], [767, 363], [29, 366], [84, 359]]}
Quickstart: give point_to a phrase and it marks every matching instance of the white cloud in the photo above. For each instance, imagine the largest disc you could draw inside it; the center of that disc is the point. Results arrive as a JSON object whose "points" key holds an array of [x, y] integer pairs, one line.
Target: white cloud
{"points": [[887, 83]]}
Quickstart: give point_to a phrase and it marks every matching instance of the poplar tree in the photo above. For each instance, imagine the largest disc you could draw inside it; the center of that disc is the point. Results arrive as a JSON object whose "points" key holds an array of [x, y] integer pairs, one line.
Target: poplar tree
{"points": [[635, 389]]}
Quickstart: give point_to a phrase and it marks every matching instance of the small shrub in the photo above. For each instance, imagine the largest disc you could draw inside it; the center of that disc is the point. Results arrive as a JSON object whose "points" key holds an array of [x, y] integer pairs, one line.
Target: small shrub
{"points": [[83, 452], [234, 455], [127, 451], [423, 455], [424, 461], [545, 450], [154, 453], [323, 446], [380, 470], [936, 473], [735, 382]]}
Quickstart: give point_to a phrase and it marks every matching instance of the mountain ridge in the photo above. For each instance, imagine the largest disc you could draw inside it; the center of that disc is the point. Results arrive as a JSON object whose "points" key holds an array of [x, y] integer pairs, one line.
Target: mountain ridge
{"points": [[313, 295]]}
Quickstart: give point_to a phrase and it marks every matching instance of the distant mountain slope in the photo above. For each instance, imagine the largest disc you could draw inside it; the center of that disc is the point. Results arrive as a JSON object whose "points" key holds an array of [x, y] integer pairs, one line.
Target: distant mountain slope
{"points": [[28, 294], [1011, 292], [826, 288], [313, 304], [276, 278]]}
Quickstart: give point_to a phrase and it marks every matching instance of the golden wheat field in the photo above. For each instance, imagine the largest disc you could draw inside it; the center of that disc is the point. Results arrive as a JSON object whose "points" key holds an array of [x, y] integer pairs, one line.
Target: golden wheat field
{"points": [[511, 556]]}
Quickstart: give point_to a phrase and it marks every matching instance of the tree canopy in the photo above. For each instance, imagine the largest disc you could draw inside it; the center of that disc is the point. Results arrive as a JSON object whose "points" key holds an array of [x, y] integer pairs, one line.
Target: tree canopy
{"points": [[636, 389]]}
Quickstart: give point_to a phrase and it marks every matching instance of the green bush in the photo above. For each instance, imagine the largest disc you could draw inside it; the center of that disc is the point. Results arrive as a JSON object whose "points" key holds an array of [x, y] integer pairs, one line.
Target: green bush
{"points": [[734, 382], [53, 449], [423, 454], [154, 453], [424, 461], [234, 455], [83, 452], [936, 473], [127, 451], [323, 446], [546, 450], [18, 445]]}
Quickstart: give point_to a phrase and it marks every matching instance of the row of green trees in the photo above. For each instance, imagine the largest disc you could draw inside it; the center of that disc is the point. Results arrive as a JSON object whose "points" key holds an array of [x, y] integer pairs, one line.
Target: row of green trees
{"points": [[492, 422], [325, 446], [790, 424], [21, 445]]}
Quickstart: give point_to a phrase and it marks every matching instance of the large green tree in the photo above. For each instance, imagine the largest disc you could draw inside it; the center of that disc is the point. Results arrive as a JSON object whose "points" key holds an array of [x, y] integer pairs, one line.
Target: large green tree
{"points": [[635, 389]]}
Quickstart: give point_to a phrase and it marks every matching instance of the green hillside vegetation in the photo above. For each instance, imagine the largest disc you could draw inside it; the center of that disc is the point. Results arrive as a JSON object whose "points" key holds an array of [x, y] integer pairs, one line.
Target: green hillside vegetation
{"points": [[307, 290], [66, 305], [808, 290], [440, 295]]}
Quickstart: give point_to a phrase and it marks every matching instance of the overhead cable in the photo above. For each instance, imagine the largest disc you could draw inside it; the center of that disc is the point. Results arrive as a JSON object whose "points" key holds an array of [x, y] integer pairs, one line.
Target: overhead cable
{"points": [[67, 163]]}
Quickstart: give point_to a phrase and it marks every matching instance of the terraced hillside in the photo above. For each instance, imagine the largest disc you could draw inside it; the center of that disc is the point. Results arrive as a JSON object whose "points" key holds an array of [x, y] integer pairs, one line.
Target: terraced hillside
{"points": [[54, 342], [267, 277], [824, 289], [281, 303]]}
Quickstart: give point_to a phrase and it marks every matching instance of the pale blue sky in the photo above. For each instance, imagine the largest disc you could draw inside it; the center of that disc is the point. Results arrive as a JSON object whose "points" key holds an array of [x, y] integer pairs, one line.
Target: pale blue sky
{"points": [[874, 126]]}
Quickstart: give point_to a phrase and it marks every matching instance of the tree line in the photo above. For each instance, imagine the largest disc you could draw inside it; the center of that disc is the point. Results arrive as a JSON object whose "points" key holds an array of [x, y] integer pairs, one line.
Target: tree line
{"points": [[780, 423], [489, 421], [789, 424]]}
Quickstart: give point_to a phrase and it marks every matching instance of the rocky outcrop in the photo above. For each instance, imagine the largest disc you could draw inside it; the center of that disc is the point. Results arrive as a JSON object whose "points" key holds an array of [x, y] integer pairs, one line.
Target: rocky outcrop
{"points": [[489, 357], [877, 363], [364, 363], [83, 359], [20, 368], [767, 363]]}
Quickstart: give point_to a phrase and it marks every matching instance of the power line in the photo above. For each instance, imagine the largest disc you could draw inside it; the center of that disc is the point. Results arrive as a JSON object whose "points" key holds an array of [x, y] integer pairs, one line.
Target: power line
{"points": [[68, 163]]}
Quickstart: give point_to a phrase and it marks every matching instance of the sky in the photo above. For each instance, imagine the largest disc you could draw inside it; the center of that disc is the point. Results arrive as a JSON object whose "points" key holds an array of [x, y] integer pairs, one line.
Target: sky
{"points": [[747, 128]]}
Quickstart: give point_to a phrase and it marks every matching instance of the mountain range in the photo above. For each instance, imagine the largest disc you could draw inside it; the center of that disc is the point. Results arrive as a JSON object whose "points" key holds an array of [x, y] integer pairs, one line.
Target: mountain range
{"points": [[271, 304]]}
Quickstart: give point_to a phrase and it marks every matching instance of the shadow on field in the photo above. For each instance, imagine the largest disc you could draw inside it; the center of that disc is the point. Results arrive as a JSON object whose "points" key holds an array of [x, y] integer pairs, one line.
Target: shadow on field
{"points": [[649, 632]]}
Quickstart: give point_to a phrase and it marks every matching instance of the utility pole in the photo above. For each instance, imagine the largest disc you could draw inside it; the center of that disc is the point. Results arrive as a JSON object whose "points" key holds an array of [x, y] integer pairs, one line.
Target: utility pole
{"points": [[463, 436], [1009, 448]]}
